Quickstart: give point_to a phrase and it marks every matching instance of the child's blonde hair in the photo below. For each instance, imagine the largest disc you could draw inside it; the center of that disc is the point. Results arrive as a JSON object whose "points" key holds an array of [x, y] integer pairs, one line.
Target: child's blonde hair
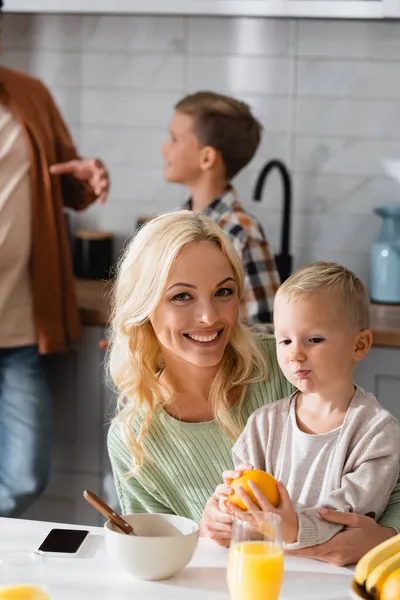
{"points": [[135, 357], [335, 280]]}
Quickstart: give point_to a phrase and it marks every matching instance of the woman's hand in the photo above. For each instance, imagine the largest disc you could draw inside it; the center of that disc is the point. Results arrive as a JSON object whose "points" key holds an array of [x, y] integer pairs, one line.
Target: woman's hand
{"points": [[347, 547], [216, 522]]}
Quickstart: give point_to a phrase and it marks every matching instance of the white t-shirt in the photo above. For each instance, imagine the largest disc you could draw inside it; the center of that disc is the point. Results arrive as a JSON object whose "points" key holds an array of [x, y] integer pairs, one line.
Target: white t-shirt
{"points": [[16, 313]]}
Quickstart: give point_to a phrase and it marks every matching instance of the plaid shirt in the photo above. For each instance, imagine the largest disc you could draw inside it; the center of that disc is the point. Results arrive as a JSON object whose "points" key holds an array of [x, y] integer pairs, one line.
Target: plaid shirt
{"points": [[248, 238]]}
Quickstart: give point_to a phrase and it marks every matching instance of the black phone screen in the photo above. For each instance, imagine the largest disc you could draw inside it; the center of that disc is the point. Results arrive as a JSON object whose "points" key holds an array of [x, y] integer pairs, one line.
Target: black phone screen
{"points": [[63, 540]]}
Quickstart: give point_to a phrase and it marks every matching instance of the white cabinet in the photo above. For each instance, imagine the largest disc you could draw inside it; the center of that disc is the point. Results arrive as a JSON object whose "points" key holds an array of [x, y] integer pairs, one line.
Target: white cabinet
{"points": [[379, 373], [359, 9]]}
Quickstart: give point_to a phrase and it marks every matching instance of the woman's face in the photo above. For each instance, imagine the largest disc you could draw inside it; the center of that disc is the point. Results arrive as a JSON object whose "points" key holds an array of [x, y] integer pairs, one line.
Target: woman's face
{"points": [[199, 308]]}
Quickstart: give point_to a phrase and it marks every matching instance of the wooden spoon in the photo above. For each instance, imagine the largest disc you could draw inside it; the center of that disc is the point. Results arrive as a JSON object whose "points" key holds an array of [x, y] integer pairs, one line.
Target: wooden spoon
{"points": [[108, 512]]}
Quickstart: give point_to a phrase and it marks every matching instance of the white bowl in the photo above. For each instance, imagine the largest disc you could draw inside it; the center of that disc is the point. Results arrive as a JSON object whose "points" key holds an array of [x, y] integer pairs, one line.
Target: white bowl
{"points": [[163, 547]]}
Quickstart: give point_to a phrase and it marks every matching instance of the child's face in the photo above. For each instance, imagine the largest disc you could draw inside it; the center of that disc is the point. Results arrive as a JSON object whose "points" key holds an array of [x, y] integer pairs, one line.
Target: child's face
{"points": [[182, 151], [317, 349], [199, 309]]}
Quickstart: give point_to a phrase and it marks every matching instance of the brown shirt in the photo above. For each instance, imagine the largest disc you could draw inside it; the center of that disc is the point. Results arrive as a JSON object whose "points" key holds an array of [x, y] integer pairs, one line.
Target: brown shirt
{"points": [[55, 312]]}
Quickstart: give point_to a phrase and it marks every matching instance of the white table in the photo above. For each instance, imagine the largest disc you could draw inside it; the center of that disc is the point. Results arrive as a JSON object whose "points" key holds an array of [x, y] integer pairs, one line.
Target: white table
{"points": [[93, 577]]}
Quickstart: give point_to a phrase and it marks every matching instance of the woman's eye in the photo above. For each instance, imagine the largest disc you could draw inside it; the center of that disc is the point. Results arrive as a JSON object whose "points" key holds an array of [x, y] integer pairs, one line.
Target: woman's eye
{"points": [[224, 292], [181, 297], [316, 340]]}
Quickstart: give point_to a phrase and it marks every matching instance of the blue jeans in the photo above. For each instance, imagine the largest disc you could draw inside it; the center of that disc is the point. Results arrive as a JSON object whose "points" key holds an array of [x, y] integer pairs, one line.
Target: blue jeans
{"points": [[25, 428]]}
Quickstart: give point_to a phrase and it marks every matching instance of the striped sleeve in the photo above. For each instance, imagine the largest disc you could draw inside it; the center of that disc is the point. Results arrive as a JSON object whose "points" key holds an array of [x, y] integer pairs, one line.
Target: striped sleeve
{"points": [[132, 495]]}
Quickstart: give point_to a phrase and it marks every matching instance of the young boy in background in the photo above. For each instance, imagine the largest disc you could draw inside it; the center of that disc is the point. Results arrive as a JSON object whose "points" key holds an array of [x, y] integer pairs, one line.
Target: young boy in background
{"points": [[213, 137], [330, 444]]}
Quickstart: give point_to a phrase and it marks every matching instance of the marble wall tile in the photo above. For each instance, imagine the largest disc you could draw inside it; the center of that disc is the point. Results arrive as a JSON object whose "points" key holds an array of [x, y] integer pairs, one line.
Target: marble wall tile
{"points": [[348, 79], [247, 36], [373, 40], [69, 104], [132, 35], [349, 194], [110, 108], [343, 155], [322, 230], [360, 119], [42, 32], [238, 74], [162, 72], [273, 113], [56, 69], [146, 186], [128, 146], [356, 261]]}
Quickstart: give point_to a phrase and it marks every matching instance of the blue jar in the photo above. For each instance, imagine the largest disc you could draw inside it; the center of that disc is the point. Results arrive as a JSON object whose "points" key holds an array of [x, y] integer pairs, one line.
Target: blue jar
{"points": [[385, 257]]}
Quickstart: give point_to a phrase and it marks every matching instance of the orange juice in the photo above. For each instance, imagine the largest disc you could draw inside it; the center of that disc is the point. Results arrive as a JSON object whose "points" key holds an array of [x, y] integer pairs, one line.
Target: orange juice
{"points": [[22, 592], [255, 571]]}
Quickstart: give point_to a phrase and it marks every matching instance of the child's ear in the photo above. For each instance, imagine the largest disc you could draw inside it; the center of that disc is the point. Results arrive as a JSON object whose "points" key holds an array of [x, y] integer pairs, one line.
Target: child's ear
{"points": [[363, 343], [209, 157]]}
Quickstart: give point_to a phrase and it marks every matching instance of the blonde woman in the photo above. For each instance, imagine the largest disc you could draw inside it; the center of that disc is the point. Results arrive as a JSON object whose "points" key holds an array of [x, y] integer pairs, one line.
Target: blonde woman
{"points": [[189, 375]]}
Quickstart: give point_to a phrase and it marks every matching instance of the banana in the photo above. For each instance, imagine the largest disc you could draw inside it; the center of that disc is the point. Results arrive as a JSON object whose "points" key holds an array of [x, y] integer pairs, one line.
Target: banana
{"points": [[372, 559], [378, 576]]}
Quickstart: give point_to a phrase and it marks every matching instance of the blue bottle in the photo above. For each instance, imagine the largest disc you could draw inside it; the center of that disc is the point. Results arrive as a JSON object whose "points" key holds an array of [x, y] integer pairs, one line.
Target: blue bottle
{"points": [[385, 257]]}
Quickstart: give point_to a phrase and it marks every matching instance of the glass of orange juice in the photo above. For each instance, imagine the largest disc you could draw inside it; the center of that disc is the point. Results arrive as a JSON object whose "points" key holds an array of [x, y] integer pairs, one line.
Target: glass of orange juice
{"points": [[255, 566], [22, 576]]}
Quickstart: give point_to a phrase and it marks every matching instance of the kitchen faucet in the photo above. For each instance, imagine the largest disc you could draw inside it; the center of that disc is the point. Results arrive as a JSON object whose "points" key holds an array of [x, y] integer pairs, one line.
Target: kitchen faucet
{"points": [[284, 259]]}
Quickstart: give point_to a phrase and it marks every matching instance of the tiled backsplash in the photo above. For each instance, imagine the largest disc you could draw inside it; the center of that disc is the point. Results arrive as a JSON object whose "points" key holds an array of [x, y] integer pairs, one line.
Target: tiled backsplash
{"points": [[327, 93]]}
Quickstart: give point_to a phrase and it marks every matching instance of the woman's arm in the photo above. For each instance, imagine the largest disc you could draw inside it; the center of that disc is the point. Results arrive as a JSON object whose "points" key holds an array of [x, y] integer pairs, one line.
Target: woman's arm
{"points": [[391, 516], [132, 495], [347, 547]]}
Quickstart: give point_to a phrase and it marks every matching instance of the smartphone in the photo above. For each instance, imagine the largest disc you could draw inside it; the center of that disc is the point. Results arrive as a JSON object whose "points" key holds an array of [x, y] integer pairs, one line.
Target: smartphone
{"points": [[63, 542]]}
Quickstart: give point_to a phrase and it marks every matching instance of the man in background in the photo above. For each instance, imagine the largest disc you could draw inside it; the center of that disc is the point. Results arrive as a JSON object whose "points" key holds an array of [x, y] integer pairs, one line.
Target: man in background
{"points": [[40, 173]]}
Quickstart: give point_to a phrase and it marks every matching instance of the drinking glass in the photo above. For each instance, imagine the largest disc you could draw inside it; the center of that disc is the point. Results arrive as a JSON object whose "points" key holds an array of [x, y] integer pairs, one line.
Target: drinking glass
{"points": [[22, 576], [255, 566]]}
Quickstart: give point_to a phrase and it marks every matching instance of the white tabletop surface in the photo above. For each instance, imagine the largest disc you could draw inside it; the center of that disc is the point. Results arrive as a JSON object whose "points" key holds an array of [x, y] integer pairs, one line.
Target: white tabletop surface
{"points": [[94, 577]]}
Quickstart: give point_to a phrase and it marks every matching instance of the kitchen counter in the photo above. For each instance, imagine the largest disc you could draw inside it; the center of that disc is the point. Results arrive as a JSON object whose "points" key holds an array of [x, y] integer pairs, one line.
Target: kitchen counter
{"points": [[92, 575], [94, 309]]}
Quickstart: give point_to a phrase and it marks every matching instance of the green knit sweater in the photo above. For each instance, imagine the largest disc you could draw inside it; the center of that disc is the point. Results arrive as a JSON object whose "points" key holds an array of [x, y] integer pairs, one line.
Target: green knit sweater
{"points": [[187, 459]]}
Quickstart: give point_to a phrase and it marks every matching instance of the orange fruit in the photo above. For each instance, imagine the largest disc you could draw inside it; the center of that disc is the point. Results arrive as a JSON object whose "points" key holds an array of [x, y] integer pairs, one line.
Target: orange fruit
{"points": [[391, 587], [267, 484]]}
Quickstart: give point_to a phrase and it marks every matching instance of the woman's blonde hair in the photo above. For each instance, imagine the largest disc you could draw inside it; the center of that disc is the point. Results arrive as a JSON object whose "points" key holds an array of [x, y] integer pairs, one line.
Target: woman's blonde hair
{"points": [[135, 358], [336, 280]]}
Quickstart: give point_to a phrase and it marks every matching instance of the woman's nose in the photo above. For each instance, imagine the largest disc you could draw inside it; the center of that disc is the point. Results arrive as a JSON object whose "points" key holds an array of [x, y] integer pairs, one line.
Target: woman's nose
{"points": [[207, 313]]}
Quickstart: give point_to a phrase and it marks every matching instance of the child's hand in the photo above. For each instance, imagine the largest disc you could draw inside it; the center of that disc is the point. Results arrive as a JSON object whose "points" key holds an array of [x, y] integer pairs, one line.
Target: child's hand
{"points": [[290, 523]]}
